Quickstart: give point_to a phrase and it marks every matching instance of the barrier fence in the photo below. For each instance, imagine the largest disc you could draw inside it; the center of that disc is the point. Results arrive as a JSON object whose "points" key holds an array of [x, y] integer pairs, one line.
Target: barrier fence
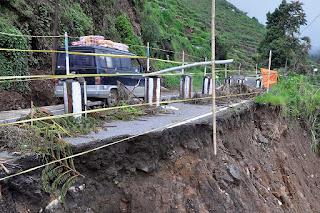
{"points": [[39, 77], [118, 107]]}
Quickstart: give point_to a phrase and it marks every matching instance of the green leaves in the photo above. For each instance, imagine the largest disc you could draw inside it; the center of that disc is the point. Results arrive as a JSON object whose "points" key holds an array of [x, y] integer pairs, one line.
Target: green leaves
{"points": [[282, 36], [60, 176], [13, 63]]}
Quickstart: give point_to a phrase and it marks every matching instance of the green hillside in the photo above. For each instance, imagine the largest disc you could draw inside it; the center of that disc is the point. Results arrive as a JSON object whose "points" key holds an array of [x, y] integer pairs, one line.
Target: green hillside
{"points": [[174, 25]]}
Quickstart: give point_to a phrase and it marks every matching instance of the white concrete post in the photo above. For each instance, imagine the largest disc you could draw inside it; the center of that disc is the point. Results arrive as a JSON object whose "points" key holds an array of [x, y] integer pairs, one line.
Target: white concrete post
{"points": [[75, 97], [207, 85], [258, 83], [186, 85], [153, 90]]}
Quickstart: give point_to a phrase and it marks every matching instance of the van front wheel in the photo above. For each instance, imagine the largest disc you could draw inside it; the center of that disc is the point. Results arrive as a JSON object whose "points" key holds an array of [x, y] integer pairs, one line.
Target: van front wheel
{"points": [[113, 98]]}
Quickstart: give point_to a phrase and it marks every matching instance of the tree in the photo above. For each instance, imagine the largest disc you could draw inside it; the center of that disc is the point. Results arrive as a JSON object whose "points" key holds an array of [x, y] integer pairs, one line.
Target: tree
{"points": [[282, 37]]}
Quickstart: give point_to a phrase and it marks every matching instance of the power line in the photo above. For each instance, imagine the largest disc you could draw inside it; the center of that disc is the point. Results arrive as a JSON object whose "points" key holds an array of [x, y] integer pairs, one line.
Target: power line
{"points": [[311, 23]]}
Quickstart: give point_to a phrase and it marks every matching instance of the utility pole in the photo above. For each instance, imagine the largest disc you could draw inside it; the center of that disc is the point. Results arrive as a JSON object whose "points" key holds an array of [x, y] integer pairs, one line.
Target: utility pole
{"points": [[270, 55], [213, 65], [66, 45], [183, 61], [55, 33], [148, 59]]}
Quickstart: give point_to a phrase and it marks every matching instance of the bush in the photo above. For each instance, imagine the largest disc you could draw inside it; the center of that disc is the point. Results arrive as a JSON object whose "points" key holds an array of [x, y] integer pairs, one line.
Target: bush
{"points": [[13, 63]]}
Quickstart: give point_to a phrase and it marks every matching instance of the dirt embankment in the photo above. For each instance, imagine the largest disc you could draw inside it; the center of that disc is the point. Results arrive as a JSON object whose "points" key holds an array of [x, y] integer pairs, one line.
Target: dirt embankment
{"points": [[41, 93], [264, 164]]}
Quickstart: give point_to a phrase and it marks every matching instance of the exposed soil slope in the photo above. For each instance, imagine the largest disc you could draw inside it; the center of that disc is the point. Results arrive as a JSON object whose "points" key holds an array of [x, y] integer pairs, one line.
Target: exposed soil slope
{"points": [[41, 92], [264, 164]]}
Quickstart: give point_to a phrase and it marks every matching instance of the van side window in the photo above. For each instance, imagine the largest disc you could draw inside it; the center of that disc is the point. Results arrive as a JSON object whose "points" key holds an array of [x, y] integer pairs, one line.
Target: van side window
{"points": [[135, 65], [110, 63], [126, 63], [103, 61], [117, 62]]}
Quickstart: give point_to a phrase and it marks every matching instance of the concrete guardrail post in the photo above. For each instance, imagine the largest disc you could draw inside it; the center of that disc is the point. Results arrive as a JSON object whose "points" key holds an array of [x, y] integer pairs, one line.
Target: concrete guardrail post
{"points": [[240, 80], [186, 85], [259, 82], [75, 96], [153, 90], [228, 80], [207, 85]]}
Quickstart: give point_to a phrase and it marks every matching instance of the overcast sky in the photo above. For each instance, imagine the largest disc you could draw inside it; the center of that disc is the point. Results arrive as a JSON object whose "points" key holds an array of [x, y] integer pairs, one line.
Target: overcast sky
{"points": [[259, 9]]}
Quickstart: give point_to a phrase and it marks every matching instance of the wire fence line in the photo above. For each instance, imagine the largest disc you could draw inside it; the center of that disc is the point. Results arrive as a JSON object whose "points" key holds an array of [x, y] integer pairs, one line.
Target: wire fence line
{"points": [[75, 37], [46, 77], [117, 107]]}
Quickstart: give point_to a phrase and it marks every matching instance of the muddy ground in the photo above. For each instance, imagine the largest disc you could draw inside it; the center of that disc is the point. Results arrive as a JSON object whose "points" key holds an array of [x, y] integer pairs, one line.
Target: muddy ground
{"points": [[264, 164], [41, 92]]}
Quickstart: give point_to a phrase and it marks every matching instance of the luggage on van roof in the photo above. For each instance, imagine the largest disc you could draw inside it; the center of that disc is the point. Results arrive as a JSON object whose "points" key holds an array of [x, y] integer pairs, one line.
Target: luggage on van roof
{"points": [[99, 41]]}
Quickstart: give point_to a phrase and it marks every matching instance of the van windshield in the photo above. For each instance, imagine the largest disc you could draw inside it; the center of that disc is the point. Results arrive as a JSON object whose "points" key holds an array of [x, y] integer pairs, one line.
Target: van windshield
{"points": [[76, 61]]}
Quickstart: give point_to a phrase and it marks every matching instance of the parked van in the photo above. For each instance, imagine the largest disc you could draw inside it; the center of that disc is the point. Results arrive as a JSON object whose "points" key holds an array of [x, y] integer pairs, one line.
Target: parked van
{"points": [[102, 87]]}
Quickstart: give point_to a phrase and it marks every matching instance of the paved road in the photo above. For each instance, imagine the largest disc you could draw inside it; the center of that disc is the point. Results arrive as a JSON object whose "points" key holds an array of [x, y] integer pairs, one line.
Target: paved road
{"points": [[185, 113], [14, 115], [145, 123]]}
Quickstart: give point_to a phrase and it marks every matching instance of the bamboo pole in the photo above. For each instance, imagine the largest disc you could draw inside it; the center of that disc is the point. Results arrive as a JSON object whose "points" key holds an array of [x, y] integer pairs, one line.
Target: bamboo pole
{"points": [[213, 65], [270, 55]]}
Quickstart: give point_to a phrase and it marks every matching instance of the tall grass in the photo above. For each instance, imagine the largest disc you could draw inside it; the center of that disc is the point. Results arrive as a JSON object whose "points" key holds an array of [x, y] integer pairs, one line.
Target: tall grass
{"points": [[299, 99]]}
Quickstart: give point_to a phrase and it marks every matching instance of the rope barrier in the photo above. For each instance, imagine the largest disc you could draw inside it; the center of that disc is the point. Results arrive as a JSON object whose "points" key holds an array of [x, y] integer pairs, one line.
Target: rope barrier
{"points": [[87, 75], [113, 108], [30, 36], [43, 77], [40, 77], [91, 54], [100, 147], [75, 37]]}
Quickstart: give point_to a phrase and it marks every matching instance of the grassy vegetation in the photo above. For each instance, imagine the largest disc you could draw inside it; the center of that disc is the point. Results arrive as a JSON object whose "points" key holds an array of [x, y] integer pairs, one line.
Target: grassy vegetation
{"points": [[299, 98]]}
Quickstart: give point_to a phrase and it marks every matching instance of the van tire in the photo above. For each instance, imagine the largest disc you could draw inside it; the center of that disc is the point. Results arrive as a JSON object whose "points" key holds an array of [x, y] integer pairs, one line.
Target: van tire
{"points": [[112, 98]]}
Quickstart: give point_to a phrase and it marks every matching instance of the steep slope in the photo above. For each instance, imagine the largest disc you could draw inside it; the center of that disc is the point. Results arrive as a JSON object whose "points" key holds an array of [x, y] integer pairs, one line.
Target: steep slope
{"points": [[240, 33]]}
